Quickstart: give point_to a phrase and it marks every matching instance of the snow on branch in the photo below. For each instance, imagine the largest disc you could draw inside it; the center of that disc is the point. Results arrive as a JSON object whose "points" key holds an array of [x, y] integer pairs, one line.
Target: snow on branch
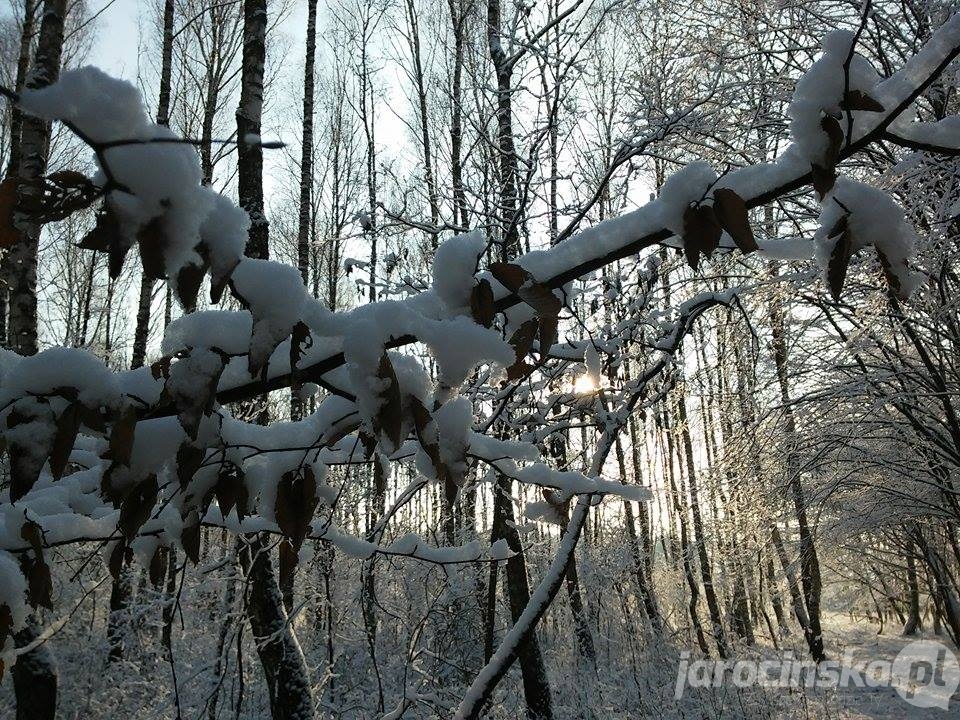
{"points": [[150, 456]]}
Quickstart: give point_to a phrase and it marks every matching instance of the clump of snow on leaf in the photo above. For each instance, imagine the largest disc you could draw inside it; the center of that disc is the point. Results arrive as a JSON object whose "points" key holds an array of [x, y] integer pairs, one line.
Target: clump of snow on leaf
{"points": [[157, 180], [13, 589], [227, 330], [685, 186], [454, 264], [874, 219], [820, 91], [460, 345], [454, 420], [60, 367], [224, 232], [276, 296]]}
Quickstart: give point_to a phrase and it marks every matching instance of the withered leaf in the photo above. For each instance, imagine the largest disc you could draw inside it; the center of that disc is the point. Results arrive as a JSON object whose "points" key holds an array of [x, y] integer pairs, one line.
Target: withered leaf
{"points": [[839, 257], [519, 369], [824, 179], [857, 100], [35, 569], [522, 341], [39, 582], [701, 233], [189, 458], [92, 418], [731, 212], [190, 536], [231, 490], [161, 368], [122, 434], [481, 303], [137, 506], [389, 418], [831, 126], [428, 441], [219, 282], [189, 279], [296, 502], [892, 278], [525, 286], [59, 195], [106, 237], [68, 425], [152, 240], [69, 179], [33, 534]]}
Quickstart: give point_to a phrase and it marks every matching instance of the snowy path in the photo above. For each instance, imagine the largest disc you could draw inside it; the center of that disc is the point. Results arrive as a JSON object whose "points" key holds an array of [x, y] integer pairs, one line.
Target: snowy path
{"points": [[880, 703]]}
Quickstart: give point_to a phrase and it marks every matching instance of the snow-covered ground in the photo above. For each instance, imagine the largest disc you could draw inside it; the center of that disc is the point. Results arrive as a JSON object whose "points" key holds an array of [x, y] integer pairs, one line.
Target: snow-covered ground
{"points": [[862, 638]]}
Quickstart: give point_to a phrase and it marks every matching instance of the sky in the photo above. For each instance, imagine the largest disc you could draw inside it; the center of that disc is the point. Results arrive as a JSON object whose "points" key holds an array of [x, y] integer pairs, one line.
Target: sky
{"points": [[122, 24], [118, 34]]}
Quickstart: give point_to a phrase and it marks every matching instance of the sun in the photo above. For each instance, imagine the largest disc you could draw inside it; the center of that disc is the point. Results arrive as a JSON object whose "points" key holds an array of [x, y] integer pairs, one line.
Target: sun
{"points": [[584, 384]]}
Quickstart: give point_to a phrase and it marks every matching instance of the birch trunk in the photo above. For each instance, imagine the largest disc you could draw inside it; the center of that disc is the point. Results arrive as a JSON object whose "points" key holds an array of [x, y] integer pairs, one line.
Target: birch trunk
{"points": [[249, 113], [142, 331], [34, 674], [34, 151], [304, 219]]}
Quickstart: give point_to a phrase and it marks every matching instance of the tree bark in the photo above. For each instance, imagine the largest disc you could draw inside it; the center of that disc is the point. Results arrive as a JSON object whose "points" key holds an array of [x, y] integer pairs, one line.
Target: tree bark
{"points": [[16, 123], [706, 574], [283, 663], [509, 238], [458, 16], [34, 154], [913, 591], [536, 687], [249, 113], [34, 677], [420, 83], [144, 304], [809, 563], [297, 408], [34, 674]]}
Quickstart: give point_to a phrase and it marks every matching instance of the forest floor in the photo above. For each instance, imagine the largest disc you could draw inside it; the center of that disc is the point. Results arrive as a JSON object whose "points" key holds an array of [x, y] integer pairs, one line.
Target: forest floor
{"points": [[862, 639]]}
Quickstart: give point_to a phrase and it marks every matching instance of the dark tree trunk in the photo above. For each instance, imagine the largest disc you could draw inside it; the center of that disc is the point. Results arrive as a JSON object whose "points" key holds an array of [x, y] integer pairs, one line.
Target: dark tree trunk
{"points": [[706, 574], [16, 123], [297, 408], [686, 552], [249, 113], [116, 622], [34, 674], [913, 592], [809, 563], [536, 686], [34, 152], [34, 677], [283, 663], [458, 17], [142, 331]]}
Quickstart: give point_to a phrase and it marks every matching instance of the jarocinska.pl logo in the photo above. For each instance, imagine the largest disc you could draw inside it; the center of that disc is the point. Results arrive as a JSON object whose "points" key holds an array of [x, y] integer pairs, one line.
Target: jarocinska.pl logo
{"points": [[925, 673]]}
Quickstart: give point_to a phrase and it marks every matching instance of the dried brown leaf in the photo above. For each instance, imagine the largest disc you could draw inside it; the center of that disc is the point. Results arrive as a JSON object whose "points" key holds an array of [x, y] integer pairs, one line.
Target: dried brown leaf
{"points": [[857, 100], [731, 212], [137, 506], [481, 303]]}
